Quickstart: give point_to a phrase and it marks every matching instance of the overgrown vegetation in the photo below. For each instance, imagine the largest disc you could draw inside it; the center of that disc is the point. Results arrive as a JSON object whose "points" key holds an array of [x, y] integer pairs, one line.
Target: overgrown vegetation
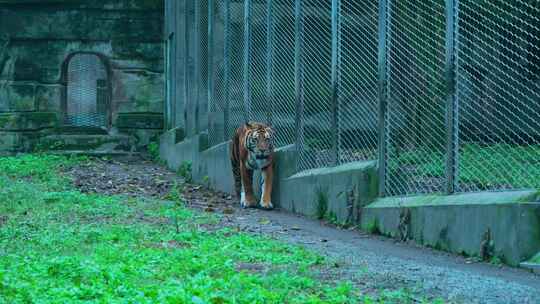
{"points": [[322, 204], [185, 171], [153, 150], [373, 227], [484, 166], [62, 246]]}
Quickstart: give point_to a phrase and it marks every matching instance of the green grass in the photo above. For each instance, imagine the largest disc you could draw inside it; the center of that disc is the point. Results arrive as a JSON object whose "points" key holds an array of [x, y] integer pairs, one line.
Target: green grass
{"points": [[535, 259], [58, 245], [485, 166]]}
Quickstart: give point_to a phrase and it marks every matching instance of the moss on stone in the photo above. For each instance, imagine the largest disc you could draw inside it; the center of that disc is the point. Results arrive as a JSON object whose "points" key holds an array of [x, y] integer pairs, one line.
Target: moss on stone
{"points": [[140, 120], [28, 121]]}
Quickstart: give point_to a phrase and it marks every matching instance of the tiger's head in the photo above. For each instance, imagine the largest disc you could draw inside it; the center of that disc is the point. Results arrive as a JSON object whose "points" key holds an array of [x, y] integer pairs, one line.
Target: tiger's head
{"points": [[259, 143]]}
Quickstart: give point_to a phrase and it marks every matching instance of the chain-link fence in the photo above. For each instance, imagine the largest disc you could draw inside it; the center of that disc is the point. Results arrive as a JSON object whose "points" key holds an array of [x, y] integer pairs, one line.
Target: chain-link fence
{"points": [[444, 93]]}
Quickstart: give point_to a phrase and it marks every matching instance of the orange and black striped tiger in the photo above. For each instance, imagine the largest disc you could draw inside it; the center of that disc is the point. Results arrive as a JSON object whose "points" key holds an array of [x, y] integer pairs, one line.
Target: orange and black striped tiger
{"points": [[252, 149]]}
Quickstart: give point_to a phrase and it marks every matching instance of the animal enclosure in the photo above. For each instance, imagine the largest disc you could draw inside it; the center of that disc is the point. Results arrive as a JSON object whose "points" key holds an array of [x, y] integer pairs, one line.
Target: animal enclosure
{"points": [[445, 94]]}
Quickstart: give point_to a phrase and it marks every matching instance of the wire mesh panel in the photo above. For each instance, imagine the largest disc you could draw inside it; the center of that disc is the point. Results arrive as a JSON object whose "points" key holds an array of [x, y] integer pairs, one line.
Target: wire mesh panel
{"points": [[217, 100], [237, 115], [191, 80], [498, 85], [318, 109], [258, 55], [201, 110], [283, 107], [87, 92], [358, 91], [416, 97]]}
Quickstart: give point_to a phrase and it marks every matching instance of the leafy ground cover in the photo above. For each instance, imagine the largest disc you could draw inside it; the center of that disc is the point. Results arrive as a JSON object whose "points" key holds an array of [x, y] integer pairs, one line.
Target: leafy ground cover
{"points": [[494, 166], [58, 245]]}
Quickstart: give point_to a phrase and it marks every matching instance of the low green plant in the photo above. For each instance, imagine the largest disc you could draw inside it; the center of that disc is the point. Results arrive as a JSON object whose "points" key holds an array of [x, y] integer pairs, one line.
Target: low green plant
{"points": [[206, 181], [373, 227], [175, 193], [185, 171], [495, 261], [322, 203], [153, 150]]}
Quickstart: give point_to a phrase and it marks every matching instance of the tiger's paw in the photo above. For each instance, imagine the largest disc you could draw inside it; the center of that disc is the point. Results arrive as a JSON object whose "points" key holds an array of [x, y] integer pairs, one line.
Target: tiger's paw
{"points": [[267, 205], [245, 202]]}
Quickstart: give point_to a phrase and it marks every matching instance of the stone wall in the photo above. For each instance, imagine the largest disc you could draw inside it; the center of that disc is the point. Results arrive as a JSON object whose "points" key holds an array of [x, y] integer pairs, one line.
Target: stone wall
{"points": [[38, 37]]}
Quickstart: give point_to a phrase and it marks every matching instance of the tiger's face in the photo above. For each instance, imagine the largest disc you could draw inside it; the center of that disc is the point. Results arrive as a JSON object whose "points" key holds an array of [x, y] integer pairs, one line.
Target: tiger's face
{"points": [[259, 143]]}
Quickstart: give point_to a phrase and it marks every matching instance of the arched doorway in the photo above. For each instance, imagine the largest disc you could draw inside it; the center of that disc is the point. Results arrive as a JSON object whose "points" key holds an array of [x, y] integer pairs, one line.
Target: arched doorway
{"points": [[87, 92]]}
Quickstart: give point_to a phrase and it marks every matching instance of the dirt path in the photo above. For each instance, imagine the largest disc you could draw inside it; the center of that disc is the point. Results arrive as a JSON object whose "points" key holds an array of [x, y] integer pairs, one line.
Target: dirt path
{"points": [[372, 263]]}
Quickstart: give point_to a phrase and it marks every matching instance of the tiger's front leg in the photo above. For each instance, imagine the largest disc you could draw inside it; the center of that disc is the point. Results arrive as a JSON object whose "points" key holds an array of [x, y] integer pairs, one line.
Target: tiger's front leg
{"points": [[266, 197], [247, 198]]}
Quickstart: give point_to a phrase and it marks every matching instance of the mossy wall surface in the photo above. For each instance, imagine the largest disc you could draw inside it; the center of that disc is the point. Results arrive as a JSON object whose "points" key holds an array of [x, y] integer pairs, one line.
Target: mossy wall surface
{"points": [[36, 38]]}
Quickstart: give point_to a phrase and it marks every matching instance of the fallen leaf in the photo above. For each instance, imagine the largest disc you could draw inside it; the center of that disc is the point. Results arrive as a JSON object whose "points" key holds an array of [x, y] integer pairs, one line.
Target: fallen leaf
{"points": [[228, 210]]}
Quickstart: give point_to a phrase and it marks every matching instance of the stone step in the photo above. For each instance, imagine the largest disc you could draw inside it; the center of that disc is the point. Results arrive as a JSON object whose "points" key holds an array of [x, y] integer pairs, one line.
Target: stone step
{"points": [[86, 142], [96, 153], [66, 130]]}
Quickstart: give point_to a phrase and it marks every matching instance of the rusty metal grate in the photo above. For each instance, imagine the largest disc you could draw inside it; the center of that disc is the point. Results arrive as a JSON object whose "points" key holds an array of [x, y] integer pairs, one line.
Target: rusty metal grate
{"points": [[87, 92]]}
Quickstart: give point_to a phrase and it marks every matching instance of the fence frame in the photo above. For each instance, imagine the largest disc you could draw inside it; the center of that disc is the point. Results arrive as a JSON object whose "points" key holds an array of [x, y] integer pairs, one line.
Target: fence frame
{"points": [[299, 77], [227, 69], [210, 62], [247, 59], [451, 114], [188, 28], [383, 62], [270, 59], [336, 69]]}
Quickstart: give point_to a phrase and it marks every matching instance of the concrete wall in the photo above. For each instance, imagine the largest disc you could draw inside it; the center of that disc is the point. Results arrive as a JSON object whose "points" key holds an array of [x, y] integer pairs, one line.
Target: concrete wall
{"points": [[461, 223], [38, 37], [347, 194]]}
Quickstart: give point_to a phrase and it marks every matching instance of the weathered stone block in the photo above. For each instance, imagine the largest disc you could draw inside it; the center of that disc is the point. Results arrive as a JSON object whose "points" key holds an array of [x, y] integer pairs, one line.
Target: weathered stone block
{"points": [[28, 121], [138, 91], [140, 121], [21, 97], [48, 97]]}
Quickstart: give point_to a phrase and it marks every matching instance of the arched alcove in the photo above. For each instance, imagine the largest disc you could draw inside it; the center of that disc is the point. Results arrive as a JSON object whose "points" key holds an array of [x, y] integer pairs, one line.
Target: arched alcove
{"points": [[87, 91]]}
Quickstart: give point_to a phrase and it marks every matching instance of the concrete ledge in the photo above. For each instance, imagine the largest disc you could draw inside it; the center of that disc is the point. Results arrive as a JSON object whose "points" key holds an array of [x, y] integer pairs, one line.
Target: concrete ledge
{"points": [[460, 223], [337, 193], [28, 121], [215, 163], [348, 194]]}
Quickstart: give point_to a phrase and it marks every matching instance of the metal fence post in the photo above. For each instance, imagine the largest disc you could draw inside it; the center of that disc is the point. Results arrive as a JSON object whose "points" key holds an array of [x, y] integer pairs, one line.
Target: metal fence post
{"points": [[210, 87], [452, 153], [197, 65], [186, 67], [384, 11], [270, 59], [247, 60], [227, 69], [299, 77], [336, 47]]}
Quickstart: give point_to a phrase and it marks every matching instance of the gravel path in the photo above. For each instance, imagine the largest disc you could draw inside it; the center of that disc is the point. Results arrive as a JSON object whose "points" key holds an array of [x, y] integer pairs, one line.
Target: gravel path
{"points": [[372, 263]]}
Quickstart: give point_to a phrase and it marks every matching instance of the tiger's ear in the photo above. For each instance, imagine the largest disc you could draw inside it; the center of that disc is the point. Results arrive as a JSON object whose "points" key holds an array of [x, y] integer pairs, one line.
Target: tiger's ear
{"points": [[248, 124]]}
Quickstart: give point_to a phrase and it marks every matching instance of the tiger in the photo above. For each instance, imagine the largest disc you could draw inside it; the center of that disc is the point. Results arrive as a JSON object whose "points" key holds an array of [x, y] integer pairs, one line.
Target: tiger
{"points": [[252, 149]]}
